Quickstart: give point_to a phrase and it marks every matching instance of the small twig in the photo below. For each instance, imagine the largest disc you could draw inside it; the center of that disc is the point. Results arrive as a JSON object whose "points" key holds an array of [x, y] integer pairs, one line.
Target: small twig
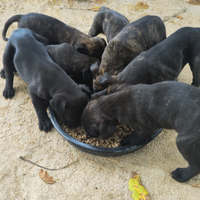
{"points": [[174, 15], [42, 166]]}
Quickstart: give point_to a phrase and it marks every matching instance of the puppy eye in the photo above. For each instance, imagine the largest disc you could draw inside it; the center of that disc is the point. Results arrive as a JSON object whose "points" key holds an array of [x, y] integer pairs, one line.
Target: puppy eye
{"points": [[82, 50]]}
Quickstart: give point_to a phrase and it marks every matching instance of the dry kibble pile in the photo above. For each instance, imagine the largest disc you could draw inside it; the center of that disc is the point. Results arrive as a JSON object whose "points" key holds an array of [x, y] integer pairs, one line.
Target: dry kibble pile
{"points": [[79, 133]]}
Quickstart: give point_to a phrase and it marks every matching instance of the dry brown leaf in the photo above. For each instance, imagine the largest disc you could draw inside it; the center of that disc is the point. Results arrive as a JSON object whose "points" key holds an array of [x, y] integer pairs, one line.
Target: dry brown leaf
{"points": [[140, 6], [179, 17], [195, 185], [194, 2], [45, 177]]}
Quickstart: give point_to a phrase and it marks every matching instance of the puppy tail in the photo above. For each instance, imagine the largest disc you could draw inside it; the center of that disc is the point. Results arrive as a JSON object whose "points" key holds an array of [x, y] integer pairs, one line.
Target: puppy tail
{"points": [[14, 18]]}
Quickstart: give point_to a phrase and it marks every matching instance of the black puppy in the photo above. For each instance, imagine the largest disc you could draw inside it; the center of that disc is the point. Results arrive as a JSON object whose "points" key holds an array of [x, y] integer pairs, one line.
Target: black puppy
{"points": [[72, 62], [163, 62], [134, 38], [47, 81], [58, 32], [108, 22], [147, 108]]}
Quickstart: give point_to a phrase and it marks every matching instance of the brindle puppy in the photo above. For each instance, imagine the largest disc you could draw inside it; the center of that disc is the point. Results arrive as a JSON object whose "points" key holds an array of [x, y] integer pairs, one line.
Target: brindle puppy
{"points": [[163, 62], [147, 108], [72, 62], [47, 82], [58, 32], [134, 38], [108, 22]]}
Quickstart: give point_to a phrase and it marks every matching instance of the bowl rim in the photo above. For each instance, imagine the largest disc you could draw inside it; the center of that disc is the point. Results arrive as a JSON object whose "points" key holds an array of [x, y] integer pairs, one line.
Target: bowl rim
{"points": [[101, 151]]}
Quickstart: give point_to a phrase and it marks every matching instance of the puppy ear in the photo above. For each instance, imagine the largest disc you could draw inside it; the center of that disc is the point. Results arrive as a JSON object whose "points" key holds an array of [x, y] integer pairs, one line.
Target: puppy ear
{"points": [[107, 130], [104, 42], [87, 74], [80, 48], [98, 94], [86, 89], [58, 103], [41, 39], [94, 68], [106, 79]]}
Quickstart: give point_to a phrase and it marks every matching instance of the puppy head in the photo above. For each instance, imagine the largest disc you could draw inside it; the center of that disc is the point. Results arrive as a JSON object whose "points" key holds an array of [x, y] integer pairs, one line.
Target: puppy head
{"points": [[96, 123], [70, 107], [93, 47]]}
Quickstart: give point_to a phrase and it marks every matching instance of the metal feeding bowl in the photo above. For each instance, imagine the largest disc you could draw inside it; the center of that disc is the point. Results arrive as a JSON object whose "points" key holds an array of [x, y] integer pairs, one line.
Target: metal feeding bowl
{"points": [[100, 151]]}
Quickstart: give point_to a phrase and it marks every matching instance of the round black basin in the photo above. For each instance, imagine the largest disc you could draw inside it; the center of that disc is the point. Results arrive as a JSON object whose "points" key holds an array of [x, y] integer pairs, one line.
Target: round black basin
{"points": [[100, 151]]}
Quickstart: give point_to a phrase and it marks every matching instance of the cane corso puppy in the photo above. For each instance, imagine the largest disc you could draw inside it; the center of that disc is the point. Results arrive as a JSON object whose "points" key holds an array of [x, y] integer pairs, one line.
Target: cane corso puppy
{"points": [[47, 82], [134, 38], [147, 108], [58, 32], [72, 62], [163, 62], [75, 64], [108, 22]]}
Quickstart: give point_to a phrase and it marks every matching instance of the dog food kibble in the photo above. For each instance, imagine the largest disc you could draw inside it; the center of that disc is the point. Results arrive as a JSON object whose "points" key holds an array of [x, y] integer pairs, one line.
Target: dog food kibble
{"points": [[79, 134]]}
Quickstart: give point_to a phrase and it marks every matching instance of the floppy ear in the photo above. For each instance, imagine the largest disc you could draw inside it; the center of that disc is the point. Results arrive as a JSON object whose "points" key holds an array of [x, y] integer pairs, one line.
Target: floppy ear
{"points": [[105, 44], [106, 79], [98, 94], [41, 39], [87, 74], [86, 90], [107, 130], [94, 68], [58, 104], [80, 48]]}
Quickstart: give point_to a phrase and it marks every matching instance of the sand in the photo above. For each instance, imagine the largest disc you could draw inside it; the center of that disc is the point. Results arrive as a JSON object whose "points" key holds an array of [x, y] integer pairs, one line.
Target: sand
{"points": [[86, 177]]}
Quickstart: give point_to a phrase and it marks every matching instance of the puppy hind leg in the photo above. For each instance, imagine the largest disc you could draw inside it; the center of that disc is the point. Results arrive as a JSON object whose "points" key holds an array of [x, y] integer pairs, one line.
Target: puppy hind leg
{"points": [[191, 153], [3, 73], [7, 72], [40, 107]]}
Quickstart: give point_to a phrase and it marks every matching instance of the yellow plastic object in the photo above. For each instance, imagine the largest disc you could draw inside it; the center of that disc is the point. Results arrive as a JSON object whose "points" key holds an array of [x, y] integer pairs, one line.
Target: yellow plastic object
{"points": [[136, 186]]}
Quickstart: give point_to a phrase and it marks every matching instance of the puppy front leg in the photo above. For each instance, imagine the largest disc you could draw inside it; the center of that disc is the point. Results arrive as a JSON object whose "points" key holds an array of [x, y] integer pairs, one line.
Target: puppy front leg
{"points": [[40, 108]]}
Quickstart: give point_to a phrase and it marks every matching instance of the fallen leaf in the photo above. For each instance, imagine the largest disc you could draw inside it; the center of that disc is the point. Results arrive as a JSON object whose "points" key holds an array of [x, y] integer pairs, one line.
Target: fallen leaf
{"points": [[195, 185], [136, 186], [141, 6], [179, 17], [194, 2], [45, 177], [95, 9]]}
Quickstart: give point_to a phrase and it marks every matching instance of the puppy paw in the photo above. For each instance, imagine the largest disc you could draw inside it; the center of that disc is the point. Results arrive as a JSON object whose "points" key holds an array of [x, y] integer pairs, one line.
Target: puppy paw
{"points": [[45, 125], [181, 174], [125, 142], [8, 93]]}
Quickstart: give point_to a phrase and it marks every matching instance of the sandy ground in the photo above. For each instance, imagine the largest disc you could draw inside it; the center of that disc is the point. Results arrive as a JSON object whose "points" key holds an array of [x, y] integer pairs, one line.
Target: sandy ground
{"points": [[87, 177]]}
